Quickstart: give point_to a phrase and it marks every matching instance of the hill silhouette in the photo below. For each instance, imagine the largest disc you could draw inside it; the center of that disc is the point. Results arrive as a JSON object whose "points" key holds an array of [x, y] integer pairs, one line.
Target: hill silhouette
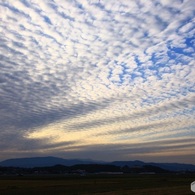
{"points": [[52, 161]]}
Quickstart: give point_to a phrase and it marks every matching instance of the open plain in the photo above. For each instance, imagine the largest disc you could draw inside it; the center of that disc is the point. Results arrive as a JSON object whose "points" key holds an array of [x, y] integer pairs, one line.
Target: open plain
{"points": [[167, 184]]}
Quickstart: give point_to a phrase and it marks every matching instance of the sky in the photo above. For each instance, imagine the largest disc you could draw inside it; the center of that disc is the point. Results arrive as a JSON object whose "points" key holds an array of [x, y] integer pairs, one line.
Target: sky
{"points": [[99, 79]]}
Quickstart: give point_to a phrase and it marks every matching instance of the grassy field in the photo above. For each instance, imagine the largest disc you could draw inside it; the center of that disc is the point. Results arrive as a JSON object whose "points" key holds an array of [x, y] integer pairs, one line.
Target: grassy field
{"points": [[97, 185]]}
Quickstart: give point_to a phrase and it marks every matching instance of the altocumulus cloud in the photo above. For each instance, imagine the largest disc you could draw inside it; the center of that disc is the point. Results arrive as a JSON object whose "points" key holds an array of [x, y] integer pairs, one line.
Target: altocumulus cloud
{"points": [[111, 78]]}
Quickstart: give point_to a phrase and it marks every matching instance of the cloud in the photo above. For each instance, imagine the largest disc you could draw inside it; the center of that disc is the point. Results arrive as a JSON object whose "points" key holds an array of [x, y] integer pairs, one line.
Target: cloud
{"points": [[148, 150], [94, 67]]}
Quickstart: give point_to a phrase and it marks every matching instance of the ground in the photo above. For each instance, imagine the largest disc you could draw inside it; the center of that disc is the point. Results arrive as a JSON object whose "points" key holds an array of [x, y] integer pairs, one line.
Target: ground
{"points": [[97, 185]]}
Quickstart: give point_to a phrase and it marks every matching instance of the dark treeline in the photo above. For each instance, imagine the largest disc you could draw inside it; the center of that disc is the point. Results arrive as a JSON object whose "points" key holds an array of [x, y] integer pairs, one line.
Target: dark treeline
{"points": [[82, 169]]}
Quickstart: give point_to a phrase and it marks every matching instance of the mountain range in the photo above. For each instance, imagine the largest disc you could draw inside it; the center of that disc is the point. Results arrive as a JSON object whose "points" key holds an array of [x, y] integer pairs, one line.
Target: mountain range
{"points": [[52, 161]]}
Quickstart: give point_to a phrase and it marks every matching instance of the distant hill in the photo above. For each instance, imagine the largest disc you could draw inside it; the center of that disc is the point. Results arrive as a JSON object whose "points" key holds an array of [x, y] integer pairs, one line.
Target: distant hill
{"points": [[167, 166], [52, 161], [128, 163], [175, 166], [43, 162]]}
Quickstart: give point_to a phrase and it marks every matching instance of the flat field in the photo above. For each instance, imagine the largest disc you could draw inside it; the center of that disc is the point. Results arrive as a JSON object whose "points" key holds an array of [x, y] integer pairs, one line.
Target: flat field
{"points": [[97, 185]]}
